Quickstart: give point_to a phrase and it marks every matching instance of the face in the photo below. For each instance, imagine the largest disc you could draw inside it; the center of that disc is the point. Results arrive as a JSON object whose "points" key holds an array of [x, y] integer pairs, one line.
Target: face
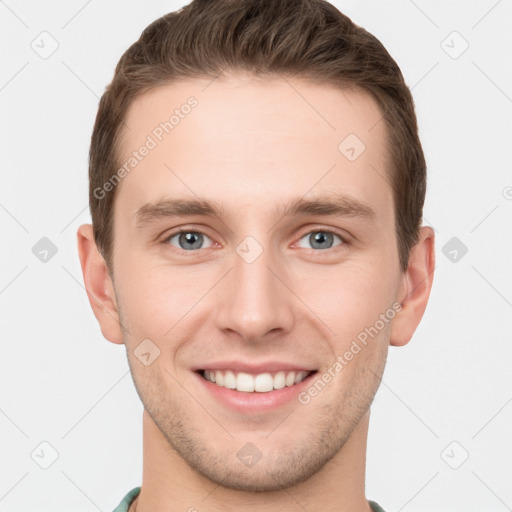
{"points": [[252, 249]]}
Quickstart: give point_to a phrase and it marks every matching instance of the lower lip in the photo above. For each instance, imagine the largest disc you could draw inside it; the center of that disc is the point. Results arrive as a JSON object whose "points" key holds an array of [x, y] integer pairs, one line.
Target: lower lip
{"points": [[255, 402]]}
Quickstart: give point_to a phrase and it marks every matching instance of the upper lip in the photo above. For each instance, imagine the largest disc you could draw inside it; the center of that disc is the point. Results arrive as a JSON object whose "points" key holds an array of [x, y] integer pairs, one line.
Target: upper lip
{"points": [[252, 368]]}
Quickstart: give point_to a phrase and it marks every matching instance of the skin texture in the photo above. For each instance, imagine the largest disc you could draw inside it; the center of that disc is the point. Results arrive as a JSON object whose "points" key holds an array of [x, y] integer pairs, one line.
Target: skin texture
{"points": [[253, 145]]}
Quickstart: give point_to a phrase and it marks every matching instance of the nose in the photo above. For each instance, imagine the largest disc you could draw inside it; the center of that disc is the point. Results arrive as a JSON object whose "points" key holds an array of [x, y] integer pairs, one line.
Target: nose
{"points": [[255, 302]]}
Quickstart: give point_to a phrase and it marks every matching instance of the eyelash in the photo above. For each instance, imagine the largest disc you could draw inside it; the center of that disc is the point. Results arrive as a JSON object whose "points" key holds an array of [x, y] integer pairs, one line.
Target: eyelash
{"points": [[343, 239]]}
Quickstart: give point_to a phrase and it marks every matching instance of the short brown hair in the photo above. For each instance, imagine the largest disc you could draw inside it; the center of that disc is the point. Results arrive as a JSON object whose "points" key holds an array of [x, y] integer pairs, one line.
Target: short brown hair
{"points": [[302, 38]]}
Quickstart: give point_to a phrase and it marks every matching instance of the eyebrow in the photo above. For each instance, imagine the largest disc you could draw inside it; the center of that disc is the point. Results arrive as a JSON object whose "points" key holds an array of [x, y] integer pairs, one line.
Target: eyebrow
{"points": [[334, 204]]}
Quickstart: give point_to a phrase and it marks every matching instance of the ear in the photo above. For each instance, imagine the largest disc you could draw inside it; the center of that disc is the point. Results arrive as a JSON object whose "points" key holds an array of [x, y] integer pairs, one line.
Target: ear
{"points": [[415, 288], [99, 286]]}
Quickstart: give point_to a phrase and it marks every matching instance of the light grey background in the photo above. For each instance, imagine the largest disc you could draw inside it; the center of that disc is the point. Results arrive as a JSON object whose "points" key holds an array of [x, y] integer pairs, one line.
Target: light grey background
{"points": [[445, 396]]}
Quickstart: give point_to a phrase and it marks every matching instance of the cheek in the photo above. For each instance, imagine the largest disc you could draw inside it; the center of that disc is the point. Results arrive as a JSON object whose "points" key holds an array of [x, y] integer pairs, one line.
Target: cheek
{"points": [[157, 300], [347, 298]]}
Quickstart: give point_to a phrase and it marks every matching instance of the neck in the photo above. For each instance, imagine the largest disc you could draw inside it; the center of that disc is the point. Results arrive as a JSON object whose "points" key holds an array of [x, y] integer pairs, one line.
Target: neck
{"points": [[170, 484]]}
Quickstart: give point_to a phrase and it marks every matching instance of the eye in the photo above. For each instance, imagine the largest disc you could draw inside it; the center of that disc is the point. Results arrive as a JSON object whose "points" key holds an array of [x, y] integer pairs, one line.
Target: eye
{"points": [[188, 240], [320, 239]]}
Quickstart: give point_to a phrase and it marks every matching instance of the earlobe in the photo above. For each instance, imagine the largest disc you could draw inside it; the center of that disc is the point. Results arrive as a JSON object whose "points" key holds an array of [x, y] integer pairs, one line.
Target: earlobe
{"points": [[415, 288], [99, 286]]}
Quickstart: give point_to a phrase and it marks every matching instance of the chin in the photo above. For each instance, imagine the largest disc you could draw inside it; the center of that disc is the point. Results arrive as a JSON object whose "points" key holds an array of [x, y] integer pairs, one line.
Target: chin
{"points": [[262, 479]]}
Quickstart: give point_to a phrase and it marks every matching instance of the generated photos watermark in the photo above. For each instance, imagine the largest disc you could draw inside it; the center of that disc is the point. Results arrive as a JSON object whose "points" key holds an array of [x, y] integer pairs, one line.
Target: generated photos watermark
{"points": [[156, 136], [341, 361]]}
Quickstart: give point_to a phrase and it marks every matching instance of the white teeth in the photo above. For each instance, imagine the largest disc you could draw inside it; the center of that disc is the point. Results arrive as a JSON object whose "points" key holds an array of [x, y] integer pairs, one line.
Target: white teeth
{"points": [[290, 379], [262, 383], [229, 380], [244, 382], [279, 380], [299, 377]]}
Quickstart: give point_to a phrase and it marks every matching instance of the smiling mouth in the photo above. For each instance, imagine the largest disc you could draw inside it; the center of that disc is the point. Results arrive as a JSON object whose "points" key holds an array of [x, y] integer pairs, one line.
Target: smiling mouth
{"points": [[260, 383]]}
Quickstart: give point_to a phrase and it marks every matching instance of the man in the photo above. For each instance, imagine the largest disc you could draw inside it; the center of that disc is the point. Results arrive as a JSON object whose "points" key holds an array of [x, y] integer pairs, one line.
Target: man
{"points": [[256, 189]]}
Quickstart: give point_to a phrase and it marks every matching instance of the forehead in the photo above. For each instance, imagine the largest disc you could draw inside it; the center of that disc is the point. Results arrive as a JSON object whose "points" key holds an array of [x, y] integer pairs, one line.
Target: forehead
{"points": [[241, 140]]}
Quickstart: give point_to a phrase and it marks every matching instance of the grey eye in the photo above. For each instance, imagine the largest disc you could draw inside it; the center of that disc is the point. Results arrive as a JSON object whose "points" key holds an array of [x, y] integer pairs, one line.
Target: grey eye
{"points": [[320, 239], [189, 240]]}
